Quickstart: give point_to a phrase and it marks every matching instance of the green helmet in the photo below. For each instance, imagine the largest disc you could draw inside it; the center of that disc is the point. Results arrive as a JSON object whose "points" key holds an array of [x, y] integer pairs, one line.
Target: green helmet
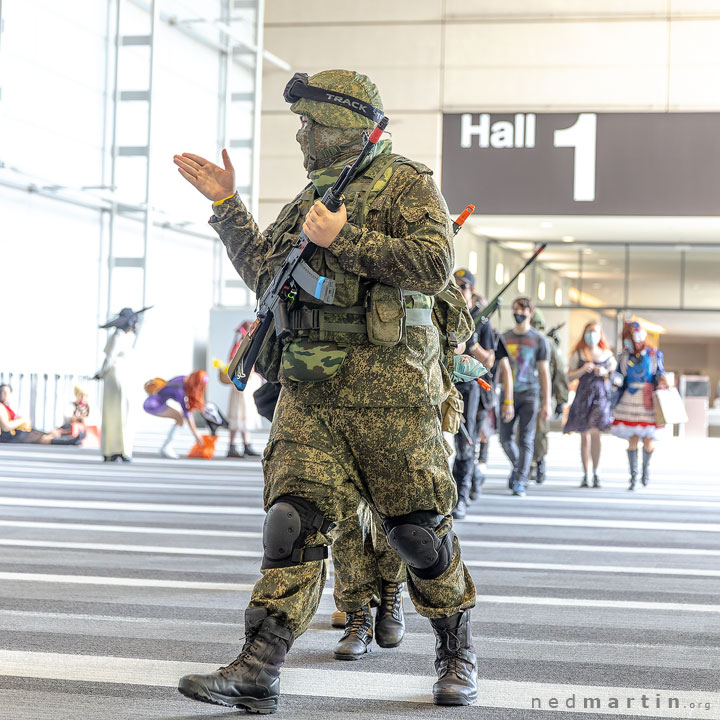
{"points": [[360, 99], [538, 320]]}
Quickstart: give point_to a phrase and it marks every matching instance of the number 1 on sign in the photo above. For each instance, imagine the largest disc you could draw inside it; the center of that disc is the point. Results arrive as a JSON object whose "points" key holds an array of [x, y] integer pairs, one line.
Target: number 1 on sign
{"points": [[583, 137]]}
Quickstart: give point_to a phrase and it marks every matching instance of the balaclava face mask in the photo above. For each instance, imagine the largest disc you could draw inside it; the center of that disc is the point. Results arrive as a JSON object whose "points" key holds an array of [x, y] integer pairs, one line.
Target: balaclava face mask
{"points": [[323, 146]]}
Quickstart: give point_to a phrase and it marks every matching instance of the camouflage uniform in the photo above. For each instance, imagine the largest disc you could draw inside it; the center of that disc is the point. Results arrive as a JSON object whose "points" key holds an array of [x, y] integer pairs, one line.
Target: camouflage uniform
{"points": [[371, 428], [559, 389], [362, 560]]}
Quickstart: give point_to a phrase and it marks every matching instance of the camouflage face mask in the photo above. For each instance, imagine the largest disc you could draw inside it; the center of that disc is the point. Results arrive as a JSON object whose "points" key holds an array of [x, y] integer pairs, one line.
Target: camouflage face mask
{"points": [[323, 146]]}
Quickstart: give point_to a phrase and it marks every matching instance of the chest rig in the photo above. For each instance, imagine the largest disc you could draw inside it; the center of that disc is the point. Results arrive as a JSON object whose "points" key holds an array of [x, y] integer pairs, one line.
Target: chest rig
{"points": [[346, 316]]}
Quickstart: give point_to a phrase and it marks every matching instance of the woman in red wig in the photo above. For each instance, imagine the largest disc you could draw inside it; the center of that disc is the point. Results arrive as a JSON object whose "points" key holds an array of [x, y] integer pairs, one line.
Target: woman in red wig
{"points": [[189, 393]]}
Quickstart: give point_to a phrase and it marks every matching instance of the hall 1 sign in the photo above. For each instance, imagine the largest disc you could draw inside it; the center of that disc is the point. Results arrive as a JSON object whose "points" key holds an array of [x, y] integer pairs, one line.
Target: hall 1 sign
{"points": [[582, 163]]}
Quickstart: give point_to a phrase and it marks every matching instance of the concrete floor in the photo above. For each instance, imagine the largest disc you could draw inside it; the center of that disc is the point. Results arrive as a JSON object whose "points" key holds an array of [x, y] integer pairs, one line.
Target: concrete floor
{"points": [[117, 579]]}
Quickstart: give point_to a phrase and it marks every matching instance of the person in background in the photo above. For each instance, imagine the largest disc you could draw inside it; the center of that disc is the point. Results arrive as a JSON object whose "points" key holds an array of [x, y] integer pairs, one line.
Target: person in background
{"points": [[189, 393], [237, 414], [590, 414], [72, 431], [559, 382], [528, 354], [15, 429], [481, 346], [639, 372], [116, 437]]}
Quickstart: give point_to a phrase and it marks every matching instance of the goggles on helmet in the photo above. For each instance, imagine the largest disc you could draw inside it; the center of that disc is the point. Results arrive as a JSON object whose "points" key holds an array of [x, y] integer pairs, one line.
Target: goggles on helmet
{"points": [[298, 88]]}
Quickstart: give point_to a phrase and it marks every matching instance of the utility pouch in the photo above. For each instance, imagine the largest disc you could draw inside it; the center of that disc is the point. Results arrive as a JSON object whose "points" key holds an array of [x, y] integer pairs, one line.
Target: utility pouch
{"points": [[385, 311], [451, 411], [305, 360]]}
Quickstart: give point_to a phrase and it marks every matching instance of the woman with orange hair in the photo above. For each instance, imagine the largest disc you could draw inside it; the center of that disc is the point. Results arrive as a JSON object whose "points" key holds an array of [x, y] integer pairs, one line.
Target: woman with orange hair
{"points": [[592, 362], [189, 393], [640, 372]]}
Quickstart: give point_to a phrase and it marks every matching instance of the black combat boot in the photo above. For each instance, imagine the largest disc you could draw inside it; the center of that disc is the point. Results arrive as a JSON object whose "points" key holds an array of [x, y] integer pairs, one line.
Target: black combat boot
{"points": [[540, 471], [252, 680], [633, 462], [389, 617], [455, 662], [358, 635], [647, 456]]}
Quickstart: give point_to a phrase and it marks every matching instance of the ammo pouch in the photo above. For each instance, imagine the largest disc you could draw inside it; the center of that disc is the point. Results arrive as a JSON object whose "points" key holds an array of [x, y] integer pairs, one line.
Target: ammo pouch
{"points": [[390, 310], [384, 315], [451, 411]]}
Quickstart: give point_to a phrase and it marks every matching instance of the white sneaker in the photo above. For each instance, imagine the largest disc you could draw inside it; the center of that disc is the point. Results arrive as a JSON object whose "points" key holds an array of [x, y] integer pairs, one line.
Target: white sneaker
{"points": [[167, 451]]}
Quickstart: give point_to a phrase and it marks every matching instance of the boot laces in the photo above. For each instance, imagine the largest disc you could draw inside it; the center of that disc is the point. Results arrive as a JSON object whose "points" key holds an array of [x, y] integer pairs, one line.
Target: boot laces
{"points": [[247, 651], [357, 622], [391, 597], [452, 661]]}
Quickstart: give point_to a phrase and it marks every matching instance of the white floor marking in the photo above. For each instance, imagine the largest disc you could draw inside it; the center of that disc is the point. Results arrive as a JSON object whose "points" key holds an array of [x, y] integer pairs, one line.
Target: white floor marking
{"points": [[217, 552], [592, 523], [366, 685], [200, 487], [138, 529], [133, 507], [109, 547], [690, 572], [247, 587], [634, 500], [149, 530], [572, 547]]}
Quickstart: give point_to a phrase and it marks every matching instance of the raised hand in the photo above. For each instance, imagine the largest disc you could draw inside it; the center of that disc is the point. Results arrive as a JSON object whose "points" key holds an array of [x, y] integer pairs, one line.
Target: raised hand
{"points": [[214, 182]]}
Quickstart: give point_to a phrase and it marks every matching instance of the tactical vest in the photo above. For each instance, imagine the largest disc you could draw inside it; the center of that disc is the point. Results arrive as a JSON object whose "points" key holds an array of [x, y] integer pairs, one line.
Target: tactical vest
{"points": [[345, 322]]}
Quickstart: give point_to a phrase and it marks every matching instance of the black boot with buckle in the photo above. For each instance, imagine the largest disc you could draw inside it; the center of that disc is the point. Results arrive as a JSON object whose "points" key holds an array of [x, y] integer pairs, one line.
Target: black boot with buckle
{"points": [[358, 635], [389, 617], [455, 662], [252, 680]]}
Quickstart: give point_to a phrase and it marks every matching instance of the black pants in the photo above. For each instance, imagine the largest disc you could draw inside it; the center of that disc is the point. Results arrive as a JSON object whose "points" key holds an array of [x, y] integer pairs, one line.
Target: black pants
{"points": [[464, 451], [520, 453]]}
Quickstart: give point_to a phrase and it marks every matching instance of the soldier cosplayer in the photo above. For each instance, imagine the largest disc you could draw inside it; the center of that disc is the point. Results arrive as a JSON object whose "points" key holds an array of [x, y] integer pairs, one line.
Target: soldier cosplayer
{"points": [[358, 412]]}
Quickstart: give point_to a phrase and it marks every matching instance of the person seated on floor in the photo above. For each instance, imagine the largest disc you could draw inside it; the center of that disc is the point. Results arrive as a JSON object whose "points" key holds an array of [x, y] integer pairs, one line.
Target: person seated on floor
{"points": [[73, 431], [14, 429]]}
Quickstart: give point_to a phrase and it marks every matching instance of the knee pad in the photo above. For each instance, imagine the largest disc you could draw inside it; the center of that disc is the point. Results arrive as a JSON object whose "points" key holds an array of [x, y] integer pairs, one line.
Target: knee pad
{"points": [[288, 523], [414, 539]]}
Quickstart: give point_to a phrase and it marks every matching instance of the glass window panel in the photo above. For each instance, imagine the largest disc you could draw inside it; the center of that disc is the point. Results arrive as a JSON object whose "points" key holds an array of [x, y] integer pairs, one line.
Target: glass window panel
{"points": [[602, 277], [702, 278], [654, 277]]}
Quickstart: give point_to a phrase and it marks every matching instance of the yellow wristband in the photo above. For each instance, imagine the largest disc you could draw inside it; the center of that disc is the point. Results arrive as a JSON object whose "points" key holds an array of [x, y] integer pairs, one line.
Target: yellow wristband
{"points": [[220, 202], [508, 402]]}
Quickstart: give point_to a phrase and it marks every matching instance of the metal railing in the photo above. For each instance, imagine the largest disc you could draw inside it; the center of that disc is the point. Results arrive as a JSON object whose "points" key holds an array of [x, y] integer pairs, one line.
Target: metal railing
{"points": [[44, 398]]}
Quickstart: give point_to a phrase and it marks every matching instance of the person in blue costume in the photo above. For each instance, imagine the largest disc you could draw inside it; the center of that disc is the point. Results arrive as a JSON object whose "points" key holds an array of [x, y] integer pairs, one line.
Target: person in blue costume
{"points": [[639, 373]]}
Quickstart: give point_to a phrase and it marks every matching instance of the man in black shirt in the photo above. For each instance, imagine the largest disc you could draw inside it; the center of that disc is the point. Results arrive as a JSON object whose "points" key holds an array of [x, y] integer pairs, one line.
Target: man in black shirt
{"points": [[481, 346]]}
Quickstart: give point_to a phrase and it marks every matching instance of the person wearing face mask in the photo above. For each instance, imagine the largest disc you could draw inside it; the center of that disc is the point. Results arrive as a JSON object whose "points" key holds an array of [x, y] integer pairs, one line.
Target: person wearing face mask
{"points": [[528, 353], [357, 417], [639, 373], [590, 414]]}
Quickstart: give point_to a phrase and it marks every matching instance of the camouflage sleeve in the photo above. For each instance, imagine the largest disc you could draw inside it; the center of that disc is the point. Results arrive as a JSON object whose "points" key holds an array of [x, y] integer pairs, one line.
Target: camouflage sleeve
{"points": [[559, 377], [418, 252], [245, 244]]}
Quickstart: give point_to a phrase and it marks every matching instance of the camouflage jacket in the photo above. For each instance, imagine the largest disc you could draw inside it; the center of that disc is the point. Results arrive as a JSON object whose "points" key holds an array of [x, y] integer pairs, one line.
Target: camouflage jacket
{"points": [[404, 242]]}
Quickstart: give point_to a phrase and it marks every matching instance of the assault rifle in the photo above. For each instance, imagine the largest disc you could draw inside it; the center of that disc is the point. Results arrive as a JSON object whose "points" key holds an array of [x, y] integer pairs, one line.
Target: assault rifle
{"points": [[494, 304], [553, 333], [294, 272]]}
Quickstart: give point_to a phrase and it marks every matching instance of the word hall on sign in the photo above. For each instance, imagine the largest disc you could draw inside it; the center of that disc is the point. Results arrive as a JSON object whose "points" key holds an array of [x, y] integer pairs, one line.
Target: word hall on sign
{"points": [[498, 134]]}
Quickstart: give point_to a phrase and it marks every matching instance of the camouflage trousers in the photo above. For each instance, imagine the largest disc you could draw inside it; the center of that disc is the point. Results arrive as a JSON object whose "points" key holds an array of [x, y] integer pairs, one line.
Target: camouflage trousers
{"points": [[362, 560], [393, 458], [541, 439]]}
